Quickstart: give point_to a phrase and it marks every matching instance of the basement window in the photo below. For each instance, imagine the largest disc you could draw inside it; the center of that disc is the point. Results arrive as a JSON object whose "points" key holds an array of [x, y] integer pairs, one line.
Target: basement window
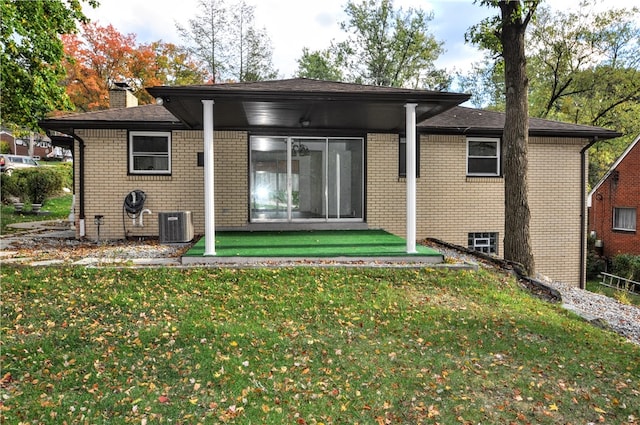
{"points": [[485, 242], [149, 152]]}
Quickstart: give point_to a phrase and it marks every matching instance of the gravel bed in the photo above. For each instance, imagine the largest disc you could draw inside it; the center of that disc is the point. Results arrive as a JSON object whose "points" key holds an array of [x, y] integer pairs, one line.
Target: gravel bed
{"points": [[624, 319]]}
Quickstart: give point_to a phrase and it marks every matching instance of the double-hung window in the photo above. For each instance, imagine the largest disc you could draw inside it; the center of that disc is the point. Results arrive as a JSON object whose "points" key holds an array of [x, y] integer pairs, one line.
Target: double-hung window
{"points": [[149, 152], [483, 157], [624, 219]]}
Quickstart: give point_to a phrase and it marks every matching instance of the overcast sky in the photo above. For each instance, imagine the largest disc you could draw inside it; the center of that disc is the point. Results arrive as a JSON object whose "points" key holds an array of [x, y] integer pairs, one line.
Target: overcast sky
{"points": [[294, 24]]}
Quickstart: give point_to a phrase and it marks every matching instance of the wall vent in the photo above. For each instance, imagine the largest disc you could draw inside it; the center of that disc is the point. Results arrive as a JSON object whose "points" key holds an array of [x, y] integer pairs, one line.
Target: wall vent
{"points": [[175, 227]]}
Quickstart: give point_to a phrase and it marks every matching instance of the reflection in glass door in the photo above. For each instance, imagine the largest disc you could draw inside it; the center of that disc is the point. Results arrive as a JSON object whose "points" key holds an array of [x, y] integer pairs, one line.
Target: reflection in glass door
{"points": [[344, 185], [269, 192], [308, 194], [303, 178]]}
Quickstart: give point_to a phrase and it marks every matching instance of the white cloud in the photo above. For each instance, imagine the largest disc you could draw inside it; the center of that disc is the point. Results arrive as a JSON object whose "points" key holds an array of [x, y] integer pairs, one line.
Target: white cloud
{"points": [[294, 24]]}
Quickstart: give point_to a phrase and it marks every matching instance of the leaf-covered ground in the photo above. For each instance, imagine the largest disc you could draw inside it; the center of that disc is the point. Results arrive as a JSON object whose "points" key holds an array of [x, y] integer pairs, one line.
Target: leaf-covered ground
{"points": [[301, 346]]}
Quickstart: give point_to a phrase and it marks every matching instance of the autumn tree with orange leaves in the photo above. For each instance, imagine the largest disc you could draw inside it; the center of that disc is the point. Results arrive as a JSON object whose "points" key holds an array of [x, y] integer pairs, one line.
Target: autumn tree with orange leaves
{"points": [[101, 56]]}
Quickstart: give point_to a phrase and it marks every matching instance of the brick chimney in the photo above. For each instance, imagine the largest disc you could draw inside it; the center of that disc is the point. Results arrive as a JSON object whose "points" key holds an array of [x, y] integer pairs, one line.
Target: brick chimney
{"points": [[120, 96]]}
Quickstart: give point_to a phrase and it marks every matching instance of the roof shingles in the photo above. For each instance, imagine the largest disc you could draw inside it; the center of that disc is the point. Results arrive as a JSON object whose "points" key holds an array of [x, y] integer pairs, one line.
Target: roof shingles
{"points": [[457, 120], [462, 120]]}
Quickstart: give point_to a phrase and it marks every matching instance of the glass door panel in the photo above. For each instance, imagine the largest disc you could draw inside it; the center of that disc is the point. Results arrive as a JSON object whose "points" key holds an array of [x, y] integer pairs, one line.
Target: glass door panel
{"points": [[269, 190], [305, 178], [345, 179], [308, 178]]}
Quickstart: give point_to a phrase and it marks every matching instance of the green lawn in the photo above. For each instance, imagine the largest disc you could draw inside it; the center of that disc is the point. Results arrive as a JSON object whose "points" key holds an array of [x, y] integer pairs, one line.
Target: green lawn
{"points": [[319, 243], [58, 209], [302, 346]]}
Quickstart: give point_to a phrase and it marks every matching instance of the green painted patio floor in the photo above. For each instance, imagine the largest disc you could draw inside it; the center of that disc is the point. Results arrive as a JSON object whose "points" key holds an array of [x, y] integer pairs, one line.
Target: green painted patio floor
{"points": [[309, 244]]}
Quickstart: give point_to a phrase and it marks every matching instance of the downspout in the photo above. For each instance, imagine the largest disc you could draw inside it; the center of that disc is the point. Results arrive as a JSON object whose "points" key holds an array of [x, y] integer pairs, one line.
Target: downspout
{"points": [[81, 218], [583, 212]]}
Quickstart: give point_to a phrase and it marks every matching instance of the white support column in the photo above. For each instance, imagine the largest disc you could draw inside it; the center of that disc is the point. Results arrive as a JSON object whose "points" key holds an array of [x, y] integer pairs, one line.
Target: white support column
{"points": [[209, 183], [410, 157]]}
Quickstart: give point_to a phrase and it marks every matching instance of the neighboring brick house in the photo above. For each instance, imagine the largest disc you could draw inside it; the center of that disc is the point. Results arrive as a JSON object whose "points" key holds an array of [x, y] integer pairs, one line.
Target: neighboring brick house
{"points": [[614, 203], [308, 154], [20, 146]]}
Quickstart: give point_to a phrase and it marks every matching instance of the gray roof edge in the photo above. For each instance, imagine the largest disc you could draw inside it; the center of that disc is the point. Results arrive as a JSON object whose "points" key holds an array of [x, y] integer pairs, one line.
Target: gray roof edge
{"points": [[598, 132], [68, 126]]}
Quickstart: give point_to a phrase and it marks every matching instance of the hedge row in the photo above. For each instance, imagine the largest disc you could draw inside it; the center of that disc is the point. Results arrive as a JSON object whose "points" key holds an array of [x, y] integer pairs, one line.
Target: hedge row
{"points": [[626, 266]]}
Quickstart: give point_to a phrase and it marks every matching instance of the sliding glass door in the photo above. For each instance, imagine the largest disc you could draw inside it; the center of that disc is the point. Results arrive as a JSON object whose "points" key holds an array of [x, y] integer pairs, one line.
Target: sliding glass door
{"points": [[313, 179]]}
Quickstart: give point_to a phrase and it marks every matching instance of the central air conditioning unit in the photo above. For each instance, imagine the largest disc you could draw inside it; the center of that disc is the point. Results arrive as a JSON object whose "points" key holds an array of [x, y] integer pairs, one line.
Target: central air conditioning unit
{"points": [[175, 227]]}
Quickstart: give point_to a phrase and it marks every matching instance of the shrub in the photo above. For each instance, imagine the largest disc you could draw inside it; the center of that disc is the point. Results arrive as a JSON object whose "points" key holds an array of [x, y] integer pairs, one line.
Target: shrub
{"points": [[595, 265], [4, 147], [42, 183], [10, 187], [66, 172], [627, 266], [33, 185]]}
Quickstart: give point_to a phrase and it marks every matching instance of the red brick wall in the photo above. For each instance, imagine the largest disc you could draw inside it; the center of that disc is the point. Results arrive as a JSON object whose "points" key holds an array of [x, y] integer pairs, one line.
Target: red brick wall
{"points": [[621, 189]]}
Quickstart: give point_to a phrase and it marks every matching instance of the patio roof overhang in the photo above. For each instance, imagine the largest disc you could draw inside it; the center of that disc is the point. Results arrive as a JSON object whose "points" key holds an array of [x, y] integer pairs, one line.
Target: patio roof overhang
{"points": [[303, 103]]}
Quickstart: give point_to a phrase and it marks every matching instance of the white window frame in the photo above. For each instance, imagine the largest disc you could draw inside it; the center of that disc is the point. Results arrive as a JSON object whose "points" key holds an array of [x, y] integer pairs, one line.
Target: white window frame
{"points": [[626, 223], [497, 157], [132, 154]]}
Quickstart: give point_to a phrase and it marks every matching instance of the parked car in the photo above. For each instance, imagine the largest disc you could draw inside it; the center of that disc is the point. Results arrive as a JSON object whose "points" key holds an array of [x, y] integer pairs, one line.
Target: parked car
{"points": [[8, 163]]}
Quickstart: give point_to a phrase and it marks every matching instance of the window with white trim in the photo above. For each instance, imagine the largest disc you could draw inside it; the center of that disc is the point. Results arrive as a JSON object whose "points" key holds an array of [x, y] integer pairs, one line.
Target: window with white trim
{"points": [[624, 219], [486, 242], [483, 156], [149, 152]]}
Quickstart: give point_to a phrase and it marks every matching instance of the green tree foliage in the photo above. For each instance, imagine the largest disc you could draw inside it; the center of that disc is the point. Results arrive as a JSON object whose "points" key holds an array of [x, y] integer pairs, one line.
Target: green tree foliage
{"points": [[227, 43], [31, 60], [584, 68], [320, 65], [173, 66], [384, 47]]}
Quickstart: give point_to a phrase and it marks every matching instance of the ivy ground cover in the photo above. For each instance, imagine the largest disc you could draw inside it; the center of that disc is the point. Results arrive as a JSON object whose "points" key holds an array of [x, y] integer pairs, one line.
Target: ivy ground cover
{"points": [[301, 346]]}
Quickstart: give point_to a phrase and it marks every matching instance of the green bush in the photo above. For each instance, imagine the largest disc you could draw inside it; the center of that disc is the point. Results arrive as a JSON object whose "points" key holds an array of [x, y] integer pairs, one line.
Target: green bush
{"points": [[595, 265], [42, 183], [66, 171], [10, 187], [4, 147], [627, 266], [34, 185]]}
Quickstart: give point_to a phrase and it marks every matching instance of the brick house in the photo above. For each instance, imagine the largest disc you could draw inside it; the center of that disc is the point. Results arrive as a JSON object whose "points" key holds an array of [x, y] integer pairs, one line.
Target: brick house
{"points": [[614, 203], [307, 154], [41, 146]]}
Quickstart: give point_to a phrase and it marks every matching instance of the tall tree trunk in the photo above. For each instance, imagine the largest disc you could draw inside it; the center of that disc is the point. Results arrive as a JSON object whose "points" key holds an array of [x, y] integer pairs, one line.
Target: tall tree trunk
{"points": [[515, 139]]}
